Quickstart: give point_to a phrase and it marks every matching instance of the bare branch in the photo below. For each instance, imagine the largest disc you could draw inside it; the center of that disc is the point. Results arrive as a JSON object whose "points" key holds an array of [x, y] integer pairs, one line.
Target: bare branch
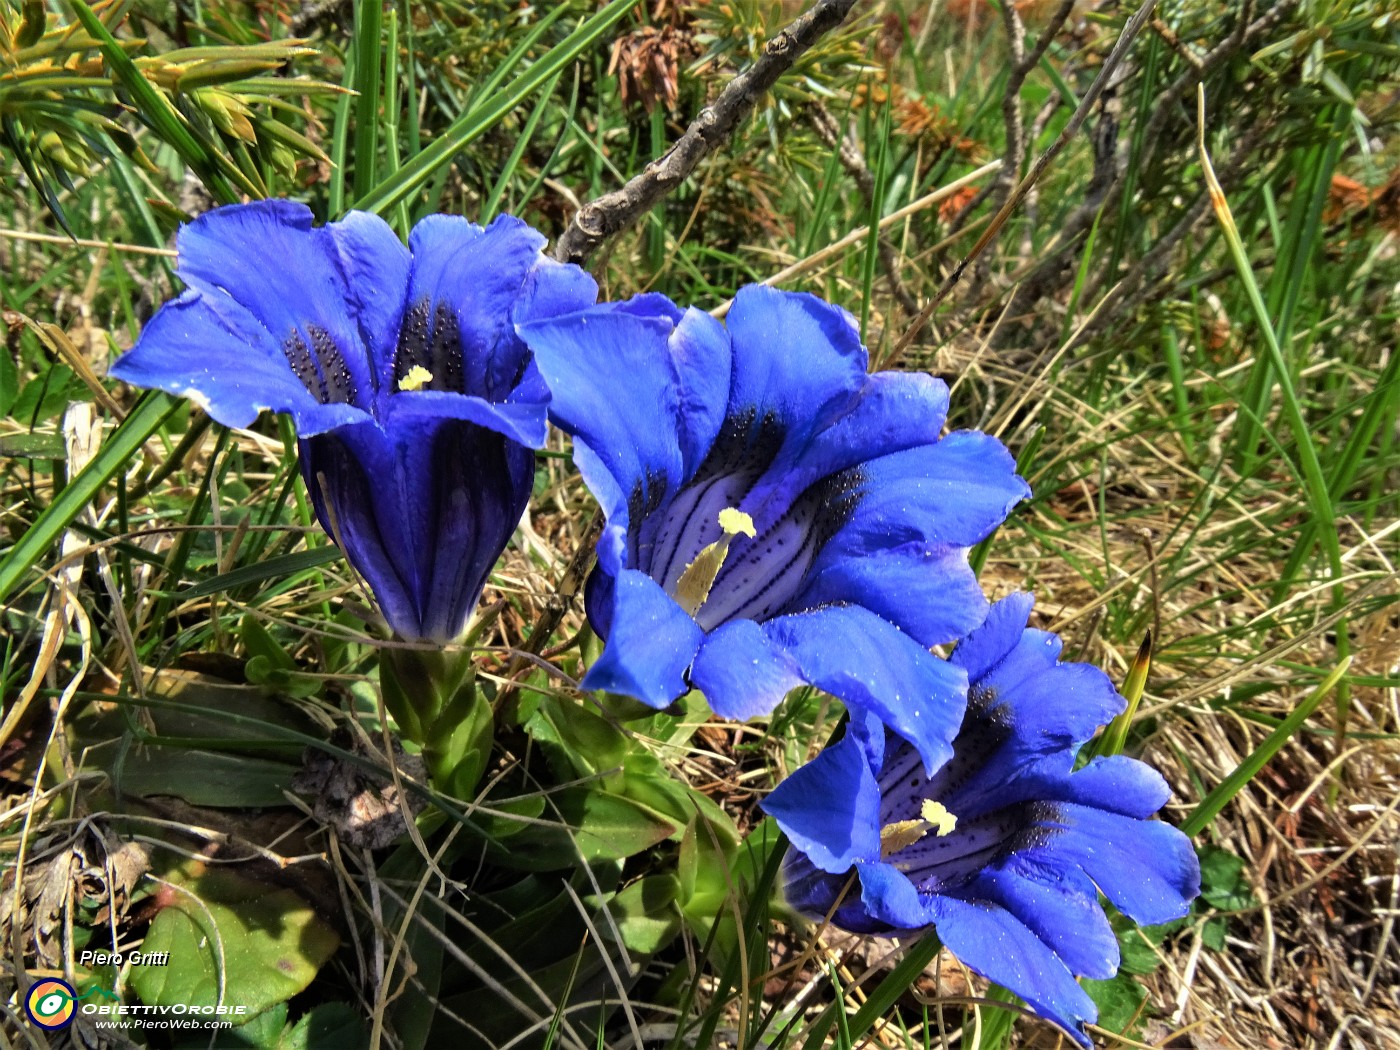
{"points": [[613, 212], [1106, 73]]}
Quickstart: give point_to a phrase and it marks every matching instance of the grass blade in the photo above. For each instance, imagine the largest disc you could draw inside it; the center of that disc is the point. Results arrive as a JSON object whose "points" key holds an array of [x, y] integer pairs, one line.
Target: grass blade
{"points": [[475, 123], [145, 419]]}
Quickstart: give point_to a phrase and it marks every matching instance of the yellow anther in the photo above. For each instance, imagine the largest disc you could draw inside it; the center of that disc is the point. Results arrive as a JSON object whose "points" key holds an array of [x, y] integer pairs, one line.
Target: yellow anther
{"points": [[418, 377], [902, 834], [699, 576], [734, 522], [938, 816]]}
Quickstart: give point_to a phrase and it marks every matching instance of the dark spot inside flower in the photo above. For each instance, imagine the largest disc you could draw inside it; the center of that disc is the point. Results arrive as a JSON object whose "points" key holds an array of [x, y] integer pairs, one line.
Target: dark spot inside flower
{"points": [[325, 375], [412, 351], [431, 338], [446, 351], [298, 355], [761, 575], [338, 384]]}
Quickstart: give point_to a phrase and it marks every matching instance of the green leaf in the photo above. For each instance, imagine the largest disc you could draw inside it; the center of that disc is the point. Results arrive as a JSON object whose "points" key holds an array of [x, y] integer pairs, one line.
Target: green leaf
{"points": [[646, 913], [478, 120], [328, 1024], [206, 778], [261, 945], [585, 825], [577, 742], [145, 419], [1121, 1001], [271, 569], [32, 446], [1224, 884]]}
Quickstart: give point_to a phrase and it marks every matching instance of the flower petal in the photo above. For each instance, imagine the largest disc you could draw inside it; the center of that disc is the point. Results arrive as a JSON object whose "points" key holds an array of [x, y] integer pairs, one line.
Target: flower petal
{"points": [[741, 672], [476, 274], [890, 898], [376, 267], [289, 276], [651, 642], [209, 349], [872, 666], [422, 509], [994, 943], [830, 807], [799, 359], [889, 412], [953, 493], [1145, 867], [612, 387], [985, 647], [1061, 907], [928, 590]]}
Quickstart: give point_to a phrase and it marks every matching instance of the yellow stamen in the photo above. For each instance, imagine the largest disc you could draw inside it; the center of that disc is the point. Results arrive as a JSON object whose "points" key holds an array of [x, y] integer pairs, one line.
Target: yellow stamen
{"points": [[895, 837], [936, 813], [418, 377], [902, 834], [699, 576]]}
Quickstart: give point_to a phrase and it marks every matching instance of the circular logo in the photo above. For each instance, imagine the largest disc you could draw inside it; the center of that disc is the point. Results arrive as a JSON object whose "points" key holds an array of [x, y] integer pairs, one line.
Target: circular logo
{"points": [[50, 1003]]}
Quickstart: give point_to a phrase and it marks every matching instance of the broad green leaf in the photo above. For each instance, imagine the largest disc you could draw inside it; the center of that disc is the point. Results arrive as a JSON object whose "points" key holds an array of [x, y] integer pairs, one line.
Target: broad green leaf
{"points": [[646, 913], [578, 742], [1121, 1001], [586, 825], [206, 778], [261, 944]]}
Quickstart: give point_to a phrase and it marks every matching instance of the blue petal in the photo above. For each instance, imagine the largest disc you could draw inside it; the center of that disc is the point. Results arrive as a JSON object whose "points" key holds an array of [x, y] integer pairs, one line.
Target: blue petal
{"points": [[702, 359], [610, 376], [1044, 717], [953, 493], [554, 288], [651, 642], [209, 349], [928, 590], [830, 807], [890, 412], [1145, 867], [289, 276], [523, 418], [741, 672], [376, 267], [796, 358], [1061, 907], [422, 509], [478, 274], [985, 647], [888, 896], [900, 554], [874, 667], [1116, 783], [993, 942]]}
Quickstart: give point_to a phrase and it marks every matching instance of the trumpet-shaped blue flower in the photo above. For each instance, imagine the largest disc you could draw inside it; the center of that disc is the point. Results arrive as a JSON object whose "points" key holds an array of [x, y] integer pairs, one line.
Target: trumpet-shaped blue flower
{"points": [[415, 402], [1005, 848], [775, 515]]}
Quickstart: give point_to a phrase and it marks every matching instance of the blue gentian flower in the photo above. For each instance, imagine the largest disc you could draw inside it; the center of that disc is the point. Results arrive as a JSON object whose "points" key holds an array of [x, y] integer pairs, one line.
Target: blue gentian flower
{"points": [[415, 402], [1006, 847], [775, 514]]}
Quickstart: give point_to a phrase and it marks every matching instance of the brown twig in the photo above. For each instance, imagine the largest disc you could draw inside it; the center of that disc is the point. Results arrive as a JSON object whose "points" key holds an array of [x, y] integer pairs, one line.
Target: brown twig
{"points": [[613, 212], [1110, 65]]}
